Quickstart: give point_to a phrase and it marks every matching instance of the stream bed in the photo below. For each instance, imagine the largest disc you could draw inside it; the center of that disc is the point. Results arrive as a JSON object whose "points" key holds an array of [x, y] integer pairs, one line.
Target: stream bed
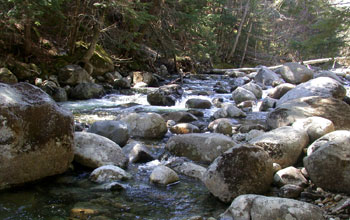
{"points": [[64, 196]]}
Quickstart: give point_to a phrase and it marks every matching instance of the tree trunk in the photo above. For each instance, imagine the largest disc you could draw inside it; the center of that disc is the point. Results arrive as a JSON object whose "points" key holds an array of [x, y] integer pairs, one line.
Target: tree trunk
{"points": [[96, 35], [27, 38], [74, 29], [246, 44], [239, 31]]}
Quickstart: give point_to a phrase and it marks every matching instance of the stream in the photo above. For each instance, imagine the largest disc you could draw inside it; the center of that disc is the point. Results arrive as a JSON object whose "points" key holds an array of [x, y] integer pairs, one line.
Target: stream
{"points": [[54, 198]]}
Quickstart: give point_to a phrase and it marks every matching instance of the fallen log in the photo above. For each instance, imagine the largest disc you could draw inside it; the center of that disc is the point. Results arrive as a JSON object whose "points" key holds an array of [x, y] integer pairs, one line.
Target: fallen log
{"points": [[308, 62]]}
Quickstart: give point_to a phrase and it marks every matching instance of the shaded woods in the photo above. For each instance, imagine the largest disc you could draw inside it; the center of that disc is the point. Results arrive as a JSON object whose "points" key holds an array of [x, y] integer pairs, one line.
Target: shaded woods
{"points": [[138, 33]]}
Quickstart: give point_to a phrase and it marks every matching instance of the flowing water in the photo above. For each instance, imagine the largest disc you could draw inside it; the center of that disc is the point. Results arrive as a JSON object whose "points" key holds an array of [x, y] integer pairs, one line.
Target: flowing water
{"points": [[61, 197]]}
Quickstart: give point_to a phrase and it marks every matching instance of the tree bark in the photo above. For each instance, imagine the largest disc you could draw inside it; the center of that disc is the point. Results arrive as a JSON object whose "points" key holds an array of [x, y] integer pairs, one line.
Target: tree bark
{"points": [[239, 31], [246, 44]]}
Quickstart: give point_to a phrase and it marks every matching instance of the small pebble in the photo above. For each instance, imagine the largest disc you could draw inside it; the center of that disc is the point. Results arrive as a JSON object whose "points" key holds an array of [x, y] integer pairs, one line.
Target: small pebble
{"points": [[337, 198]]}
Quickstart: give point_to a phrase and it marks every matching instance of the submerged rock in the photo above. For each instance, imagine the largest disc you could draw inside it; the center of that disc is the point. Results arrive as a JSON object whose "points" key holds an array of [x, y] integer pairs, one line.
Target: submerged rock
{"points": [[256, 207], [36, 136], [199, 147], [240, 170], [93, 150]]}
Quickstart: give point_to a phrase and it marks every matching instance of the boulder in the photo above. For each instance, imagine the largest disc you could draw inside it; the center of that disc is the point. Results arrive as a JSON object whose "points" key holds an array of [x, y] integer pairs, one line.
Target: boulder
{"points": [[199, 147], [53, 89], [145, 125], [73, 75], [290, 175], [145, 77], [280, 90], [284, 144], [160, 98], [241, 94], [333, 109], [137, 152], [315, 126], [222, 126], [330, 74], [254, 88], [267, 104], [25, 71], [290, 191], [328, 163], [266, 77], [93, 150], [256, 207], [36, 136], [122, 83], [179, 117], [163, 175], [108, 173], [198, 103], [229, 110], [322, 86], [240, 170], [295, 73], [116, 131], [6, 76], [184, 128], [87, 91], [189, 169]]}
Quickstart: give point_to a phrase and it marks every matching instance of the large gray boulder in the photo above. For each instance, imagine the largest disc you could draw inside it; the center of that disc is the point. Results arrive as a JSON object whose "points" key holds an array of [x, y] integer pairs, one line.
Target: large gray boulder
{"points": [[280, 90], [266, 77], [116, 131], [254, 88], [73, 75], [315, 126], [93, 150], [322, 86], [284, 144], [86, 91], [295, 73], [330, 74], [240, 170], [36, 136], [145, 125], [241, 94], [328, 163], [333, 109], [199, 147], [257, 207]]}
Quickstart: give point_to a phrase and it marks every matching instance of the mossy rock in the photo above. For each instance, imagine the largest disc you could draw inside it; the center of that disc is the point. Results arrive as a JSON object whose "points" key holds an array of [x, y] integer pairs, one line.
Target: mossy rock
{"points": [[101, 60]]}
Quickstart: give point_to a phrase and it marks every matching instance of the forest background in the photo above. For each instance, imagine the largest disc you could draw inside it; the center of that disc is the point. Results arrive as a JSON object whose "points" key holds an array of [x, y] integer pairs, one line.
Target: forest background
{"points": [[138, 34]]}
